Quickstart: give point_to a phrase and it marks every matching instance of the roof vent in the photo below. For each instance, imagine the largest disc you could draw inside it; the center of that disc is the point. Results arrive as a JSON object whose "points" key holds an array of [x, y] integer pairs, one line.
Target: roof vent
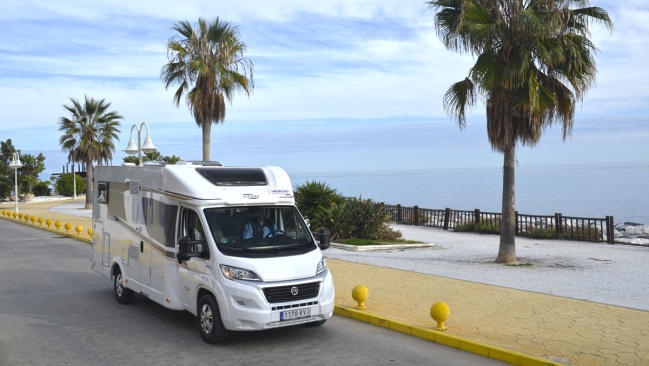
{"points": [[199, 162]]}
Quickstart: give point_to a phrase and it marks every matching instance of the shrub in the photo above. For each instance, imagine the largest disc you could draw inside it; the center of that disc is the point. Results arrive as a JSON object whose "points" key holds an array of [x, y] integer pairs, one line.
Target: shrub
{"points": [[42, 188], [316, 200], [64, 184], [360, 219], [489, 226]]}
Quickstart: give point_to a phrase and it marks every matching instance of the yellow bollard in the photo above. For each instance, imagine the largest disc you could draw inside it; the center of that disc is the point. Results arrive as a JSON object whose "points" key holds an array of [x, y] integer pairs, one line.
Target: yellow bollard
{"points": [[90, 232], [360, 293], [21, 215], [440, 312], [15, 214], [78, 229], [40, 221], [58, 225], [33, 218], [68, 226], [48, 222], [3, 212], [26, 217]]}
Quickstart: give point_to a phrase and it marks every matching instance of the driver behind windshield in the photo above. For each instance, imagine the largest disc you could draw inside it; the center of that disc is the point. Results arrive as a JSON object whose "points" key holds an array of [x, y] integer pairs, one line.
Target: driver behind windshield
{"points": [[259, 227]]}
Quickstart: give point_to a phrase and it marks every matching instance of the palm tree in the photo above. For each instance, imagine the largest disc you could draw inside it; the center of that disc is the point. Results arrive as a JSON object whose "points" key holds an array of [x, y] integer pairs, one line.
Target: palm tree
{"points": [[534, 62], [208, 65], [88, 135]]}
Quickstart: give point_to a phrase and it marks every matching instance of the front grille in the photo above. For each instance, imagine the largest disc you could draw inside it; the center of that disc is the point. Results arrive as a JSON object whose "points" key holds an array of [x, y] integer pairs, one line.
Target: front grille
{"points": [[283, 293], [299, 305]]}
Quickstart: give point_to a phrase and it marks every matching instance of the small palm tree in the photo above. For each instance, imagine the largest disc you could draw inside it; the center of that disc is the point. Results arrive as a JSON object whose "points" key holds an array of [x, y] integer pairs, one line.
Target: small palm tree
{"points": [[208, 65], [534, 62], [88, 135]]}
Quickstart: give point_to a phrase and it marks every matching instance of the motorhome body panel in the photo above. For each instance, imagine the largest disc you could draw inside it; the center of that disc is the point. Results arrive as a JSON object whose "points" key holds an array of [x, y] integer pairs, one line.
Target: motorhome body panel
{"points": [[136, 219]]}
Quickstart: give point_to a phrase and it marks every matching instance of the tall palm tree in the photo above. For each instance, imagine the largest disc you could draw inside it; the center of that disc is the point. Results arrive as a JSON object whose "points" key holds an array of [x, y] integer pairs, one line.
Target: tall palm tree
{"points": [[534, 62], [208, 65], [88, 135]]}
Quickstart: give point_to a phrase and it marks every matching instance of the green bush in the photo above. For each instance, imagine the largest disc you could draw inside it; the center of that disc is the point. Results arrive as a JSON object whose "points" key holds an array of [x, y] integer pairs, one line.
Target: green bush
{"points": [[489, 226], [42, 188], [316, 201], [64, 184], [344, 218]]}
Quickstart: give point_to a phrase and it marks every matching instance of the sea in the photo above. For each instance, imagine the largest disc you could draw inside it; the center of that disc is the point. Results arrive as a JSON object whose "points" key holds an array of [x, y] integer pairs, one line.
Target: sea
{"points": [[594, 191], [618, 190]]}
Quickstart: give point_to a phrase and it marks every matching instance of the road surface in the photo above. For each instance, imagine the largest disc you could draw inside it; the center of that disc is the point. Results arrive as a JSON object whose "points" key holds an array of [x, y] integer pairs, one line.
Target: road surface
{"points": [[55, 311]]}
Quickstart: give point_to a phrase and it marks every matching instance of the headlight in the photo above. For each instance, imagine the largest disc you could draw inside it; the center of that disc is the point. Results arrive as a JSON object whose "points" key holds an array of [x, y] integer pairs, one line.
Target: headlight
{"points": [[234, 273], [321, 266]]}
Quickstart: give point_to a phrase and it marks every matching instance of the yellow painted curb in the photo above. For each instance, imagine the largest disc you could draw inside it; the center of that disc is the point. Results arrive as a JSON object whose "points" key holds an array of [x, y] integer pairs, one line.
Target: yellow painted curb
{"points": [[60, 232], [482, 349]]}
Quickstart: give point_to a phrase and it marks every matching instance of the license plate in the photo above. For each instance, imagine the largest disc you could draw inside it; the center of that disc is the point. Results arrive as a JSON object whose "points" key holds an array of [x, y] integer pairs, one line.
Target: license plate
{"points": [[295, 314]]}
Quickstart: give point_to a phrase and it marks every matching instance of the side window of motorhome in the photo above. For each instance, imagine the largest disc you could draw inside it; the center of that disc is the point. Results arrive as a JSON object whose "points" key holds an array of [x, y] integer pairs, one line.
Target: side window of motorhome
{"points": [[192, 228], [160, 220], [102, 192], [116, 201]]}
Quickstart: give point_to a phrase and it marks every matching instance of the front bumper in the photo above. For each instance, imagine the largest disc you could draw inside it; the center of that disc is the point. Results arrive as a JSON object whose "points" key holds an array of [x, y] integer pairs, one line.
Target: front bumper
{"points": [[245, 307]]}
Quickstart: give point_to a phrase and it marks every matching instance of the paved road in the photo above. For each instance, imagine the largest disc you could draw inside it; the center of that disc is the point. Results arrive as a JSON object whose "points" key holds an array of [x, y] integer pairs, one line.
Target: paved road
{"points": [[55, 311]]}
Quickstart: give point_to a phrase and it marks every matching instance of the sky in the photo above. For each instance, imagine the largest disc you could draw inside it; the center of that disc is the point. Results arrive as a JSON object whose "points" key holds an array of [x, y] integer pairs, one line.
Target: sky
{"points": [[340, 85]]}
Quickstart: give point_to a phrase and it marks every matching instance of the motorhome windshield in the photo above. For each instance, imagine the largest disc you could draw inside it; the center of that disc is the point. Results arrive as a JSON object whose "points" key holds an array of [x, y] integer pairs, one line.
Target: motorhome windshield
{"points": [[259, 231]]}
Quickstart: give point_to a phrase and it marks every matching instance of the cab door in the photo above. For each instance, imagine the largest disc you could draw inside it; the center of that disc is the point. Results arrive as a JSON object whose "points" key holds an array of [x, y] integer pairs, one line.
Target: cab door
{"points": [[193, 271]]}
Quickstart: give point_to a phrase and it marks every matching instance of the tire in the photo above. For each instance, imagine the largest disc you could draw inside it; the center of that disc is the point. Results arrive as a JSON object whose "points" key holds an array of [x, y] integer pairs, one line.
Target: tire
{"points": [[319, 323], [208, 318], [123, 295]]}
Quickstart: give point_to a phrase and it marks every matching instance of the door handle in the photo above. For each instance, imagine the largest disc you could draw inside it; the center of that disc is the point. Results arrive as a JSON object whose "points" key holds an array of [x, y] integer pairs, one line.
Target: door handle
{"points": [[141, 246]]}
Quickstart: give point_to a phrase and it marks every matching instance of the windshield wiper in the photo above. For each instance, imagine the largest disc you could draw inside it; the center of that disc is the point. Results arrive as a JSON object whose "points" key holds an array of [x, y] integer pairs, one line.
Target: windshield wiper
{"points": [[275, 247]]}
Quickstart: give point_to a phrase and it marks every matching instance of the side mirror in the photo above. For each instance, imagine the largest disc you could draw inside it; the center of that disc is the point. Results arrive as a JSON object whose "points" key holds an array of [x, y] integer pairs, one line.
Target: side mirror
{"points": [[189, 248], [325, 239]]}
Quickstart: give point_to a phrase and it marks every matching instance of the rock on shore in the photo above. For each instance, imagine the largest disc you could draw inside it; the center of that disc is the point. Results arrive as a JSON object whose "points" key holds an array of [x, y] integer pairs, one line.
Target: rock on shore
{"points": [[632, 233]]}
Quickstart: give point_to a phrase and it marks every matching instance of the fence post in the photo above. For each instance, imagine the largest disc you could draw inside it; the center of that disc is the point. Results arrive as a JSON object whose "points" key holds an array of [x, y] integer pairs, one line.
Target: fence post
{"points": [[515, 222], [399, 217], [416, 209], [610, 230], [476, 217], [558, 222], [447, 217]]}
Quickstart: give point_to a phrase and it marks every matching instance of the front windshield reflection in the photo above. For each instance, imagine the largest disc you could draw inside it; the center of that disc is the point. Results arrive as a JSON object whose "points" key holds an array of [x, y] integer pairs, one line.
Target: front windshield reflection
{"points": [[259, 231]]}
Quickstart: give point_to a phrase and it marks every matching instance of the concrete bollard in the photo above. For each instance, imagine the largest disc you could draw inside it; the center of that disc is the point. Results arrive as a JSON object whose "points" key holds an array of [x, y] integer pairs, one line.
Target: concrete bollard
{"points": [[25, 217], [40, 221], [48, 222], [78, 229], [360, 293], [68, 226], [33, 218], [90, 232], [440, 312], [58, 225]]}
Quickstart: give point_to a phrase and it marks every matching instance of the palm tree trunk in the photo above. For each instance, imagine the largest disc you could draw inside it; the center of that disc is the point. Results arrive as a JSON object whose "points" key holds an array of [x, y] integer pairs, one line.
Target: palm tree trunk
{"points": [[207, 128], [89, 187], [507, 249]]}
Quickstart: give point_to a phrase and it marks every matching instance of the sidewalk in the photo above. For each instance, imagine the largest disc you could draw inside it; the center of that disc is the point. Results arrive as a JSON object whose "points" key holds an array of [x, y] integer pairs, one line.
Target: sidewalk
{"points": [[572, 331]]}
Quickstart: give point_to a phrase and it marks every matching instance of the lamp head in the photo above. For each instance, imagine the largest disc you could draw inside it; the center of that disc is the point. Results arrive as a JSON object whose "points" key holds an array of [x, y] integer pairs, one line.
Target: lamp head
{"points": [[148, 147], [15, 161], [131, 148]]}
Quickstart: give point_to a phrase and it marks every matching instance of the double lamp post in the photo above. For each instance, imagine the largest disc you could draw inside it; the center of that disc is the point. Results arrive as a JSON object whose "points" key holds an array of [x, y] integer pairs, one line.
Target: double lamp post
{"points": [[15, 164]]}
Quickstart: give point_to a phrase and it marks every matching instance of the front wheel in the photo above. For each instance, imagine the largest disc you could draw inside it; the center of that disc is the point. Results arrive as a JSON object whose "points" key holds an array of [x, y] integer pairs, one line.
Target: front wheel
{"points": [[209, 320], [123, 295]]}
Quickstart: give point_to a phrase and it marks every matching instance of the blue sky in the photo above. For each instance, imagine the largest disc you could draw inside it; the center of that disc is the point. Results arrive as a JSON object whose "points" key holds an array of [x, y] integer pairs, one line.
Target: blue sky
{"points": [[340, 85]]}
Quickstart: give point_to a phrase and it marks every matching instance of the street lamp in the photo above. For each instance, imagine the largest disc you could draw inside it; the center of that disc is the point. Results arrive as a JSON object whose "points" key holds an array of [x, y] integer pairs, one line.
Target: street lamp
{"points": [[15, 163], [148, 144]]}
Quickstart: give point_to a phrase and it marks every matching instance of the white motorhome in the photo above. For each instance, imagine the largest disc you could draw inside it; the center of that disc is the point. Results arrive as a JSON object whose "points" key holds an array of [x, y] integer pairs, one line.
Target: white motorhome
{"points": [[226, 244]]}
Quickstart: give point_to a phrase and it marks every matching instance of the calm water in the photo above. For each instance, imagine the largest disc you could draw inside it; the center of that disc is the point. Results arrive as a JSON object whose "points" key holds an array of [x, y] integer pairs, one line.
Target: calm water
{"points": [[622, 192], [617, 190]]}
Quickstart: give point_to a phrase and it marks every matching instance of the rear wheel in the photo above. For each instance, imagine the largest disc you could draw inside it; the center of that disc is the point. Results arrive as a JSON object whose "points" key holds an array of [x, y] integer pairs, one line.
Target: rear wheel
{"points": [[123, 295], [209, 320]]}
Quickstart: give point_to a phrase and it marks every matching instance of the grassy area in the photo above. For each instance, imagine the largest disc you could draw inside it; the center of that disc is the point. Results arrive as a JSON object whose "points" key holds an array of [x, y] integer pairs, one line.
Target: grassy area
{"points": [[376, 242]]}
